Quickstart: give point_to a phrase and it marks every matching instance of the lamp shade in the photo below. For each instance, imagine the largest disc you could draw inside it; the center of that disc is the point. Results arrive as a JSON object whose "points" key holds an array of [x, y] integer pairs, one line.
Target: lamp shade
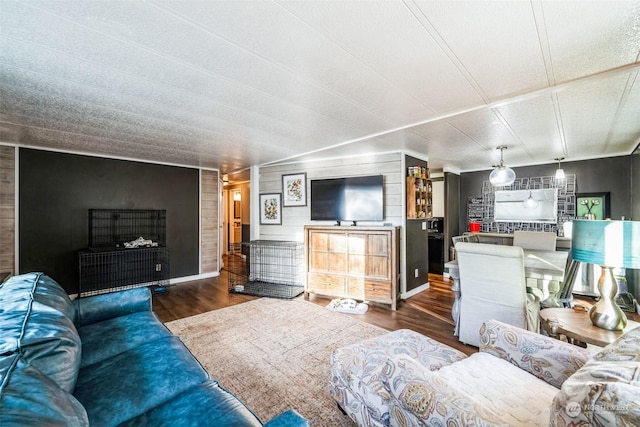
{"points": [[502, 176], [607, 243]]}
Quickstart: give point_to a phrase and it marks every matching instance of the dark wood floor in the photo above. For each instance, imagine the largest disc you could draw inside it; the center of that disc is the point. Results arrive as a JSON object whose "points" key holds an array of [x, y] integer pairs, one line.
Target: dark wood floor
{"points": [[428, 312]]}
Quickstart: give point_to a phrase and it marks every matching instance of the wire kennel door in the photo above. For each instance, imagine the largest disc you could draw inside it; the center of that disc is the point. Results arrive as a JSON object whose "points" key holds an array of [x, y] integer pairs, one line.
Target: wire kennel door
{"points": [[108, 271], [267, 268]]}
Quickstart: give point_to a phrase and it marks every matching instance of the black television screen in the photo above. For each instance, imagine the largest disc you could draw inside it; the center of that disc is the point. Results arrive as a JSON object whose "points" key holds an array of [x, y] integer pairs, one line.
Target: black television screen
{"points": [[358, 198]]}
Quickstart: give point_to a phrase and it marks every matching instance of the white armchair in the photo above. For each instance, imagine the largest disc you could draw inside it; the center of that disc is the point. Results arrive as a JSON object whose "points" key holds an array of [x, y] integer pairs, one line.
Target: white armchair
{"points": [[493, 286]]}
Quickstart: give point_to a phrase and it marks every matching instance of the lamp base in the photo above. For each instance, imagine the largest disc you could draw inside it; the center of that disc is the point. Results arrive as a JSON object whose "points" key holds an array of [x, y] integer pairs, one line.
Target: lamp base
{"points": [[605, 313]]}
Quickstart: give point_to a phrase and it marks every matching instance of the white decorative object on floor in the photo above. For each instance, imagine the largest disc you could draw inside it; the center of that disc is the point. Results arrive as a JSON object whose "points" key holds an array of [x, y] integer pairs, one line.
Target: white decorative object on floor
{"points": [[347, 305]]}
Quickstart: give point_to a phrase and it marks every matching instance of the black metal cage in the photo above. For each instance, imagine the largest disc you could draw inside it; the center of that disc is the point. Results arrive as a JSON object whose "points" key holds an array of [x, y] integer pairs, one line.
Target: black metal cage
{"points": [[111, 228], [108, 265], [267, 268], [105, 271]]}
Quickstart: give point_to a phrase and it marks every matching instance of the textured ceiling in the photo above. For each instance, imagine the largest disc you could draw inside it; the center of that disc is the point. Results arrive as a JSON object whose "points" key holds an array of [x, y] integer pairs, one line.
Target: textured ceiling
{"points": [[229, 84]]}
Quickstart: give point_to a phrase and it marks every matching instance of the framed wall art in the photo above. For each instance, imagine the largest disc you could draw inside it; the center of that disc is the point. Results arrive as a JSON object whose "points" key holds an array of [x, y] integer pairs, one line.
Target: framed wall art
{"points": [[593, 205], [294, 188], [271, 208]]}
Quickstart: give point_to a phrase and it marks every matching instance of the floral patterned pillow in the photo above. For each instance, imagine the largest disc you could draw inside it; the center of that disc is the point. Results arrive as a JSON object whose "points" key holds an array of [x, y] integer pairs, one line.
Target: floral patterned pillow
{"points": [[605, 390]]}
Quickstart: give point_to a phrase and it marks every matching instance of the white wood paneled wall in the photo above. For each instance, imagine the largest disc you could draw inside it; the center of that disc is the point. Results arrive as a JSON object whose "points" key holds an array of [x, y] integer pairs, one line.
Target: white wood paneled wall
{"points": [[209, 222], [296, 217], [7, 209]]}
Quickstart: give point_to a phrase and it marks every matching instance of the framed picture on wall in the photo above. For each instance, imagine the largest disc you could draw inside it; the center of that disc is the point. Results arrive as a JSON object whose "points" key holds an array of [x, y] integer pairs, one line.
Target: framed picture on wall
{"points": [[271, 208], [294, 188], [593, 205]]}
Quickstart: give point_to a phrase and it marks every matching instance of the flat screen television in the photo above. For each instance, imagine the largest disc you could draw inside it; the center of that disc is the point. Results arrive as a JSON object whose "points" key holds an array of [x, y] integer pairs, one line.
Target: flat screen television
{"points": [[358, 198]]}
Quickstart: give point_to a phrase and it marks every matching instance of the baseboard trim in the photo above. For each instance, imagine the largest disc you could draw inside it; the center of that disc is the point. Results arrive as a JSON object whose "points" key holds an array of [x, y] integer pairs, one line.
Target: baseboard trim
{"points": [[415, 291], [174, 281], [178, 280]]}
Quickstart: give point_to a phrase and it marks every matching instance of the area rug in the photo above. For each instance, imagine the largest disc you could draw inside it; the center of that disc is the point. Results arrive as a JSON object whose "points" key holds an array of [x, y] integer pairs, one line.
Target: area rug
{"points": [[274, 354]]}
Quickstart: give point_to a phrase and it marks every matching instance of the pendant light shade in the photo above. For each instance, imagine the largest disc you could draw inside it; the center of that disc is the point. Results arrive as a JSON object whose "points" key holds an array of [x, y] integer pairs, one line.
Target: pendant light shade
{"points": [[559, 171], [502, 175], [530, 202]]}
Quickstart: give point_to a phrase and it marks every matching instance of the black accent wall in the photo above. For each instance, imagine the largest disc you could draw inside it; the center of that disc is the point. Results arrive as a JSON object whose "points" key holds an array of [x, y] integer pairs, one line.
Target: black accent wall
{"points": [[451, 210], [612, 174], [57, 189], [617, 175], [417, 244]]}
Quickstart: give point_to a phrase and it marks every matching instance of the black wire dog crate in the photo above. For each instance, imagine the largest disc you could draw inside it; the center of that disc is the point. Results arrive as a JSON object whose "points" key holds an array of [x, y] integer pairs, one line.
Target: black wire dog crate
{"points": [[267, 268], [108, 271], [111, 228], [109, 265]]}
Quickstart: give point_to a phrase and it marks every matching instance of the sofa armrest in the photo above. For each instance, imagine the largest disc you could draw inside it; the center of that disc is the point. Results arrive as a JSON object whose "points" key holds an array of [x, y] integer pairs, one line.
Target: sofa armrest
{"points": [[288, 418], [548, 359], [107, 306], [428, 398]]}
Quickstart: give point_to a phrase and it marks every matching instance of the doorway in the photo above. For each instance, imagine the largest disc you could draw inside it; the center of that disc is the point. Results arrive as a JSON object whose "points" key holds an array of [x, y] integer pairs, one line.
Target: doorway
{"points": [[235, 216]]}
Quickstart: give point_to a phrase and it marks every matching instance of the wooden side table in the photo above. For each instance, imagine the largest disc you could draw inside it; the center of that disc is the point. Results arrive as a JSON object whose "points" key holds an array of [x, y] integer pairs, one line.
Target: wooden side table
{"points": [[575, 325]]}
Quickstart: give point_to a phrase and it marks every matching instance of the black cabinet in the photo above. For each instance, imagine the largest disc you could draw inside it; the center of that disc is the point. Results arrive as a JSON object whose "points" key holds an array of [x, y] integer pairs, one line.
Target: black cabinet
{"points": [[436, 253]]}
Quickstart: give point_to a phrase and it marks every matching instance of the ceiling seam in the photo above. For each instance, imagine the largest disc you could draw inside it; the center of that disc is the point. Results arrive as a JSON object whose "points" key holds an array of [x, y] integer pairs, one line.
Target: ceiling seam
{"points": [[204, 70], [557, 109], [359, 59], [280, 66], [494, 104], [109, 156], [131, 113], [537, 10], [158, 84], [209, 100], [505, 123], [539, 18], [618, 115], [430, 29], [631, 79]]}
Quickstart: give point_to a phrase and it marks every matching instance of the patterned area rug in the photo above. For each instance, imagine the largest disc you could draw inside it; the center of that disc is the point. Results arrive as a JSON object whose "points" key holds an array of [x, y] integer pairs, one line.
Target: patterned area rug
{"points": [[274, 354]]}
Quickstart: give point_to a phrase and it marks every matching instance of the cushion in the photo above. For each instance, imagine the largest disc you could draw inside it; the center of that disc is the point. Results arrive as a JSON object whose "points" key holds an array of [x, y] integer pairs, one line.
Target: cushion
{"points": [[153, 373], [522, 400], [38, 287], [205, 404], [101, 307], [45, 338], [605, 390], [110, 337], [424, 397], [28, 397], [358, 370], [549, 359]]}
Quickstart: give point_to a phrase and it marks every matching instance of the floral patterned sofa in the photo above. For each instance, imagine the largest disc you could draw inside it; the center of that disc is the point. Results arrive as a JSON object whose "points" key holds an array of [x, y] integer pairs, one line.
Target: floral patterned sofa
{"points": [[517, 378]]}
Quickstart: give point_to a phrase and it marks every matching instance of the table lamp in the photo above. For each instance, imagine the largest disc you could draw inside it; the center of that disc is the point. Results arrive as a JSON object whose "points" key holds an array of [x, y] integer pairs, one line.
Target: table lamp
{"points": [[609, 244]]}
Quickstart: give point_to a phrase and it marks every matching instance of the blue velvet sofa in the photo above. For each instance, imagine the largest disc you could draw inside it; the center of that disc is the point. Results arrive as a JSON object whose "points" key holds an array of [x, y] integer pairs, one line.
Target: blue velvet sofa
{"points": [[105, 360]]}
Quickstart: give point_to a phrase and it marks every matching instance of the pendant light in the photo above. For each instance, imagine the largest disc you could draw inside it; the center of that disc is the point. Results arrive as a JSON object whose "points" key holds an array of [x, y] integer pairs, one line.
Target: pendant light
{"points": [[530, 202], [502, 175], [559, 171]]}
